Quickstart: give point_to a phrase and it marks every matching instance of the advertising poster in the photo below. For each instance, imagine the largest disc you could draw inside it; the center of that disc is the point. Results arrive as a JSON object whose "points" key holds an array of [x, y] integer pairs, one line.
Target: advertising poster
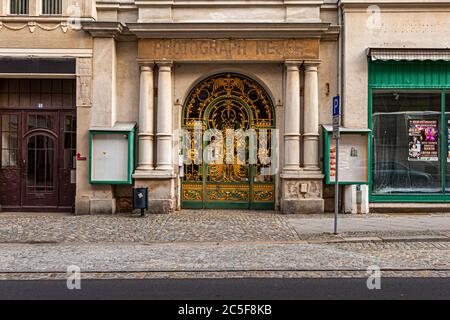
{"points": [[333, 163], [423, 140]]}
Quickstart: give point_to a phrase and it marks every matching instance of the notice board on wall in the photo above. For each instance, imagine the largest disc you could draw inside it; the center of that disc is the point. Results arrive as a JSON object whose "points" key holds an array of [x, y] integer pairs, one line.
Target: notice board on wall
{"points": [[112, 154], [353, 156], [110, 157]]}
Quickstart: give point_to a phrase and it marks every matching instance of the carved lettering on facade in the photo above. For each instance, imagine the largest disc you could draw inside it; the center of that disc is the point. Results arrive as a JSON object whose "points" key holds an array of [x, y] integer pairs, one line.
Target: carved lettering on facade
{"points": [[223, 49]]}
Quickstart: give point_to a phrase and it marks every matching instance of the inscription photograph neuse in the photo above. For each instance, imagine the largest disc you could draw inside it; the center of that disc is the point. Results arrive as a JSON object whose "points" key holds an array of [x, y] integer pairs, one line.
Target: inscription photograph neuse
{"points": [[228, 49]]}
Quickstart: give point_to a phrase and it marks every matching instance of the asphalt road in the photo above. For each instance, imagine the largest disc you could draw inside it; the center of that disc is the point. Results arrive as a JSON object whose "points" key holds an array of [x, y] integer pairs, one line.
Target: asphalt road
{"points": [[229, 289]]}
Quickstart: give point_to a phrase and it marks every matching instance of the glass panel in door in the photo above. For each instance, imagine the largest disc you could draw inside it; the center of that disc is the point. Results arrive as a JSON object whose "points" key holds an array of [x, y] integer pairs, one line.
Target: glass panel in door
{"points": [[40, 165]]}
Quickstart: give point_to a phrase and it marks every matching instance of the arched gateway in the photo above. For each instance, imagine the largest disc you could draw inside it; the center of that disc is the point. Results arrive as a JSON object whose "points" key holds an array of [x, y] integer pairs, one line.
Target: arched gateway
{"points": [[229, 145]]}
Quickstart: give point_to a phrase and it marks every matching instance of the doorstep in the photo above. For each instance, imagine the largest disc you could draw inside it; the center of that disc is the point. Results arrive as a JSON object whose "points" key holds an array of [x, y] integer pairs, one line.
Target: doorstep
{"points": [[409, 208]]}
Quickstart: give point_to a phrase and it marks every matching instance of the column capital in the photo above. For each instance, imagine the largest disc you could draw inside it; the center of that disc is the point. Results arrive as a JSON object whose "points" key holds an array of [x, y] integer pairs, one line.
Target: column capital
{"points": [[311, 65], [146, 67], [293, 65], [164, 65]]}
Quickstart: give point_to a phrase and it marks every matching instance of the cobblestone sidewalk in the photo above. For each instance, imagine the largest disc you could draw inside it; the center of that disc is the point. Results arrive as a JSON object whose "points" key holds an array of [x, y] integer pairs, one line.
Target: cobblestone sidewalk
{"points": [[216, 243], [372, 223], [211, 226], [210, 257], [186, 226]]}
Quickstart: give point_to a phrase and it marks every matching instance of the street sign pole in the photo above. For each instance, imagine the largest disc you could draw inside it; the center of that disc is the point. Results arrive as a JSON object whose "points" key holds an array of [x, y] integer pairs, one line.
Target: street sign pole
{"points": [[336, 135], [336, 190]]}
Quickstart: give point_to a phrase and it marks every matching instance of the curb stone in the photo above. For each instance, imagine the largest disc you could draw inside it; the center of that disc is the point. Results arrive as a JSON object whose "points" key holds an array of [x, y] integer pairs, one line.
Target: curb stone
{"points": [[383, 239]]}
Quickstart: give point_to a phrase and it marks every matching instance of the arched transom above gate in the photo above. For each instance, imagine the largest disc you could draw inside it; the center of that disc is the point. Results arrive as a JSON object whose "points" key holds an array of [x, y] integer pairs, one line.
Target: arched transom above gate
{"points": [[229, 89]]}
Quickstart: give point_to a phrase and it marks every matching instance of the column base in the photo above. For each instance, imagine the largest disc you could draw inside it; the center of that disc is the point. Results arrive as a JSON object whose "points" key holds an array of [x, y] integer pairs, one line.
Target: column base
{"points": [[303, 206], [141, 173], [302, 193], [164, 169], [144, 168], [161, 206], [311, 169], [161, 191]]}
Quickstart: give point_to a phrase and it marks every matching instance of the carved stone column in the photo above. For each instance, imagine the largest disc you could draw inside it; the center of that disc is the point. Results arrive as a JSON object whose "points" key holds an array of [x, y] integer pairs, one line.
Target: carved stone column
{"points": [[302, 189], [311, 119], [161, 180], [145, 135], [292, 118], [164, 118]]}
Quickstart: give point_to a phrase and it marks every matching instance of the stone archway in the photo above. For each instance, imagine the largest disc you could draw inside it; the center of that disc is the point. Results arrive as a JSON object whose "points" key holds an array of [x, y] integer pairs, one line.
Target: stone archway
{"points": [[228, 123]]}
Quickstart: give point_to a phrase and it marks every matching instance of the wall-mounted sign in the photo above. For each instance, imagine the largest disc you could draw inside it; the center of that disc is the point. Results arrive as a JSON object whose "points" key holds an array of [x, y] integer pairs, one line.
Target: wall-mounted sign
{"points": [[111, 157], [353, 156], [423, 140], [336, 116], [229, 49]]}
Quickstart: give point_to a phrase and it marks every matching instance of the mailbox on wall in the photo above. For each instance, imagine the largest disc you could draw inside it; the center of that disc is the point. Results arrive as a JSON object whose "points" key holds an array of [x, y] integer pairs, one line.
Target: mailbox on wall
{"points": [[353, 155], [111, 156]]}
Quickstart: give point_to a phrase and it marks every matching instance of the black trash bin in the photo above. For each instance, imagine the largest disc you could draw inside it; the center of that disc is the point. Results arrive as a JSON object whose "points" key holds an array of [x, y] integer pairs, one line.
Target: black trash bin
{"points": [[140, 199]]}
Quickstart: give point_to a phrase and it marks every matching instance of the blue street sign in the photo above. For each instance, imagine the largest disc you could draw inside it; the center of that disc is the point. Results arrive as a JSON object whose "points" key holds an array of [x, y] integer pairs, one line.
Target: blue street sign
{"points": [[336, 106], [336, 135]]}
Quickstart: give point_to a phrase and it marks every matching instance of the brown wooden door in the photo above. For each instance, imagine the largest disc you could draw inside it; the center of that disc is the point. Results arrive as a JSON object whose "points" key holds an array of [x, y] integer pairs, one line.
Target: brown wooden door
{"points": [[37, 144], [38, 151]]}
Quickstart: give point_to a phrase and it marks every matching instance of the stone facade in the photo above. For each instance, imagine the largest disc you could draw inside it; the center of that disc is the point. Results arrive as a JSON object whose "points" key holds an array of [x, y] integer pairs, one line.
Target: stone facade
{"points": [[173, 43], [138, 61]]}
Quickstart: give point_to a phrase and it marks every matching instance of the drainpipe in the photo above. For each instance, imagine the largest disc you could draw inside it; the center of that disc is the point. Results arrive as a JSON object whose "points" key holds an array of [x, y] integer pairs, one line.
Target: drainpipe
{"points": [[350, 204]]}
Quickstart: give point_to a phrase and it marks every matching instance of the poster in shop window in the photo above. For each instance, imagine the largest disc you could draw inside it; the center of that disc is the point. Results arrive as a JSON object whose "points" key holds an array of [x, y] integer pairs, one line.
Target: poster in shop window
{"points": [[423, 140]]}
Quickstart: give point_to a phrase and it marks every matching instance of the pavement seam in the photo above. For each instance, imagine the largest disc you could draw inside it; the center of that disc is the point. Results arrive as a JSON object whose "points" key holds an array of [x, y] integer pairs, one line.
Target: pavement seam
{"points": [[231, 270], [314, 241], [291, 227]]}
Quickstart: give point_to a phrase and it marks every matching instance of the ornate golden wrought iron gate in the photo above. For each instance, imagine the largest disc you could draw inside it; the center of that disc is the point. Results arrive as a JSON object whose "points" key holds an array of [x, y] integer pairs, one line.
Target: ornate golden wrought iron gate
{"points": [[228, 123]]}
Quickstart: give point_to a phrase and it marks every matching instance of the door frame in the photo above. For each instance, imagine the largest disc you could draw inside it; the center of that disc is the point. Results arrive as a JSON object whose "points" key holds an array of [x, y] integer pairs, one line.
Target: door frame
{"points": [[24, 171], [193, 192], [23, 133]]}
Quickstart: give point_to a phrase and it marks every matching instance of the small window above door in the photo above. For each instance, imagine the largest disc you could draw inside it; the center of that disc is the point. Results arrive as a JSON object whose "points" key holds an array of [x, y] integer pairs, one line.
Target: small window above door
{"points": [[41, 121]]}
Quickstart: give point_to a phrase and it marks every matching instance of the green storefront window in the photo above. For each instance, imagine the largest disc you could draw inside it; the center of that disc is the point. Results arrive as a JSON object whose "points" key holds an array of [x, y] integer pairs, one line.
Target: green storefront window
{"points": [[409, 114], [406, 148]]}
